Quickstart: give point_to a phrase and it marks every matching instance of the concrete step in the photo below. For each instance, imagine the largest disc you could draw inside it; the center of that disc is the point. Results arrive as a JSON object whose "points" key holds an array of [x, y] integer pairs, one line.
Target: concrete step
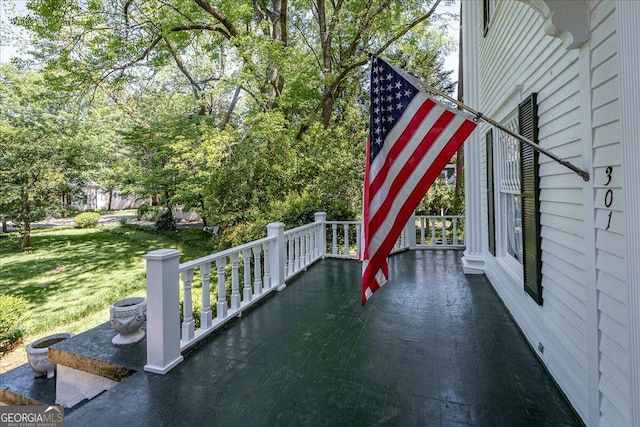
{"points": [[87, 365], [19, 387]]}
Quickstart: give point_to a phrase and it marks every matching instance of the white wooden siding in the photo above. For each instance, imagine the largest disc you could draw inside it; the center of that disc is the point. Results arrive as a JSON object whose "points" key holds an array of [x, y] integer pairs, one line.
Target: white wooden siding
{"points": [[610, 254], [516, 53], [522, 54]]}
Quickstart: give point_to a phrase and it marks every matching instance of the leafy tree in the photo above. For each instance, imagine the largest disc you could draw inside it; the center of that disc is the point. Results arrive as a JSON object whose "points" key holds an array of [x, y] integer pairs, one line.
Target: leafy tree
{"points": [[41, 147], [237, 106]]}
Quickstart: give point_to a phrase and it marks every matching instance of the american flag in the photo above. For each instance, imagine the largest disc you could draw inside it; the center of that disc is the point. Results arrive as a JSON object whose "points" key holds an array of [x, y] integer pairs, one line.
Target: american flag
{"points": [[411, 139]]}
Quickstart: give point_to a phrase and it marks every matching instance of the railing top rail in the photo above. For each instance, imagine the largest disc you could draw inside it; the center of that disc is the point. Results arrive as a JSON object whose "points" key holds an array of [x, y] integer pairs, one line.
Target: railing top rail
{"points": [[301, 228], [439, 216], [343, 222], [225, 253]]}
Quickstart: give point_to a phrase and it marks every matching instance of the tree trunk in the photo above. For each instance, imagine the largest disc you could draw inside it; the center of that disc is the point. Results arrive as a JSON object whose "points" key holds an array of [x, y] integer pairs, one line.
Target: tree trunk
{"points": [[4, 225], [204, 218], [110, 199], [26, 235]]}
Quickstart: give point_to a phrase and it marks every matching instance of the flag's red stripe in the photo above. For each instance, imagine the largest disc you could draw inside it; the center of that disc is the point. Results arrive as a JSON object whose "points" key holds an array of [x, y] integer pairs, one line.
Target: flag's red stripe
{"points": [[418, 192], [399, 145], [379, 258], [373, 284], [365, 207], [423, 147]]}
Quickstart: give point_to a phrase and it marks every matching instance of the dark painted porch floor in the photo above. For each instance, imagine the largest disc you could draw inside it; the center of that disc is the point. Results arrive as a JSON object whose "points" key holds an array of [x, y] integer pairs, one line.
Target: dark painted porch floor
{"points": [[432, 348]]}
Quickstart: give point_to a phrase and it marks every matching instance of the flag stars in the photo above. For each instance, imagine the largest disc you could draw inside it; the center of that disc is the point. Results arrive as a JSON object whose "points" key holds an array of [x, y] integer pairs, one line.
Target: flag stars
{"points": [[391, 95]]}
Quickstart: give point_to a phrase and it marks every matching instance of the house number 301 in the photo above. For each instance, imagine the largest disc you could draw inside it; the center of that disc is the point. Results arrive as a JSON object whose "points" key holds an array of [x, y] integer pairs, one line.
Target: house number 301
{"points": [[608, 196]]}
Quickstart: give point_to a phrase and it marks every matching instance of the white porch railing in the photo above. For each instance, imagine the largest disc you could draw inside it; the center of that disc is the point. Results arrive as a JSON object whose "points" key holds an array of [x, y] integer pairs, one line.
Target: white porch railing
{"points": [[439, 232], [247, 273]]}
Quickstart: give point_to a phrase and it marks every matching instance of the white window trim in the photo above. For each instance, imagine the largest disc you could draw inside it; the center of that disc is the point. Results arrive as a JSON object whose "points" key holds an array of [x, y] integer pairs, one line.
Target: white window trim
{"points": [[507, 181]]}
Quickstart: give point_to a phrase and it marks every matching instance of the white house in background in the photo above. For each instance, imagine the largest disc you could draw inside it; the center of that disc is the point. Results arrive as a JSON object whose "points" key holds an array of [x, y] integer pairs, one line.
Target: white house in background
{"points": [[90, 197], [563, 254]]}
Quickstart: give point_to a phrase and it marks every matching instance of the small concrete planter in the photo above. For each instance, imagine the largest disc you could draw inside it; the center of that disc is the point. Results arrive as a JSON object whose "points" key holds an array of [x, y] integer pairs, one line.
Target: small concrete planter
{"points": [[127, 317], [38, 351]]}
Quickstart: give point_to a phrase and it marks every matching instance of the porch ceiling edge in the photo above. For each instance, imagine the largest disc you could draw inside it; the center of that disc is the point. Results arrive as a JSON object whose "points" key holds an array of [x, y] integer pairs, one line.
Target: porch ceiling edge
{"points": [[567, 20]]}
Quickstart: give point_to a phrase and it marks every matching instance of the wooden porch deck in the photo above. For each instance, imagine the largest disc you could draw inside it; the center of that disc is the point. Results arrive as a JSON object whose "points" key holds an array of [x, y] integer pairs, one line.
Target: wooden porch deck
{"points": [[432, 348]]}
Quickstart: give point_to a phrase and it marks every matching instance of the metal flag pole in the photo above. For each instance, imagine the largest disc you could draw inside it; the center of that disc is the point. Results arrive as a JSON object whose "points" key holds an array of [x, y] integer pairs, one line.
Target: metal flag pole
{"points": [[480, 116]]}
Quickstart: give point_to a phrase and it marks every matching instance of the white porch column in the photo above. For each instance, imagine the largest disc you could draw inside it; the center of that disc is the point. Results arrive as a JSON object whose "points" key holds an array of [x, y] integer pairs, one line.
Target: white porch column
{"points": [[163, 317], [277, 255], [473, 259], [321, 239], [627, 13]]}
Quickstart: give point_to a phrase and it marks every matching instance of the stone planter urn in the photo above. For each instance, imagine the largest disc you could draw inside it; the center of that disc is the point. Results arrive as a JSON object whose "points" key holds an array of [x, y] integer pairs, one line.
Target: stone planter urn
{"points": [[37, 353], [127, 317]]}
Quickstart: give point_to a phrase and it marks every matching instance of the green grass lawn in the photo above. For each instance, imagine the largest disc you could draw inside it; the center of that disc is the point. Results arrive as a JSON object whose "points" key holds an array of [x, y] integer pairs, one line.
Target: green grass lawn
{"points": [[71, 276]]}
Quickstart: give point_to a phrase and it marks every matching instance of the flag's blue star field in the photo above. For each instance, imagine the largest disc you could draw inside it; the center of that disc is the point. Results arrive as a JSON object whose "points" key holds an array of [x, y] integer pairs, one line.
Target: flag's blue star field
{"points": [[390, 95]]}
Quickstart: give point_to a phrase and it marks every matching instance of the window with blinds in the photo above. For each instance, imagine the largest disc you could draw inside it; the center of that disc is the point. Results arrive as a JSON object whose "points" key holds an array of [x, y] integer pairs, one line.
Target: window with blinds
{"points": [[513, 195], [507, 165]]}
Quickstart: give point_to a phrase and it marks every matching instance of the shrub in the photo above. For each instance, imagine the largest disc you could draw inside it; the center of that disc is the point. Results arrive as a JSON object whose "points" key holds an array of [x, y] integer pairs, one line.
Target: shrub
{"points": [[62, 211], [12, 309], [87, 219], [147, 213], [166, 222]]}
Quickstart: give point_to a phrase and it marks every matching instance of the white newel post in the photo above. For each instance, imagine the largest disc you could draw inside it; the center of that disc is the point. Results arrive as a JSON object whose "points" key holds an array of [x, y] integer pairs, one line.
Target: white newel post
{"points": [[277, 254], [321, 238], [410, 232], [163, 317]]}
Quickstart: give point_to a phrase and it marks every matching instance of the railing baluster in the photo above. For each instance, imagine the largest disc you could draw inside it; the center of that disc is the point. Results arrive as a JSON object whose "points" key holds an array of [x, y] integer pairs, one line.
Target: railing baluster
{"points": [[257, 271], [346, 239], [313, 234], [304, 249], [358, 238], [334, 239], [444, 230], [246, 261], [235, 281], [222, 296], [267, 267], [432, 221], [296, 256], [187, 312], [291, 253], [422, 227], [455, 231], [205, 315]]}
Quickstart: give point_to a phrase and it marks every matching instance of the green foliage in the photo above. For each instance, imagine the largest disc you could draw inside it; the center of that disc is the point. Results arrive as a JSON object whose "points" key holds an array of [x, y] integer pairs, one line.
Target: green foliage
{"points": [[87, 220], [440, 199], [165, 222], [145, 212], [43, 146], [62, 211], [242, 114], [12, 311]]}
